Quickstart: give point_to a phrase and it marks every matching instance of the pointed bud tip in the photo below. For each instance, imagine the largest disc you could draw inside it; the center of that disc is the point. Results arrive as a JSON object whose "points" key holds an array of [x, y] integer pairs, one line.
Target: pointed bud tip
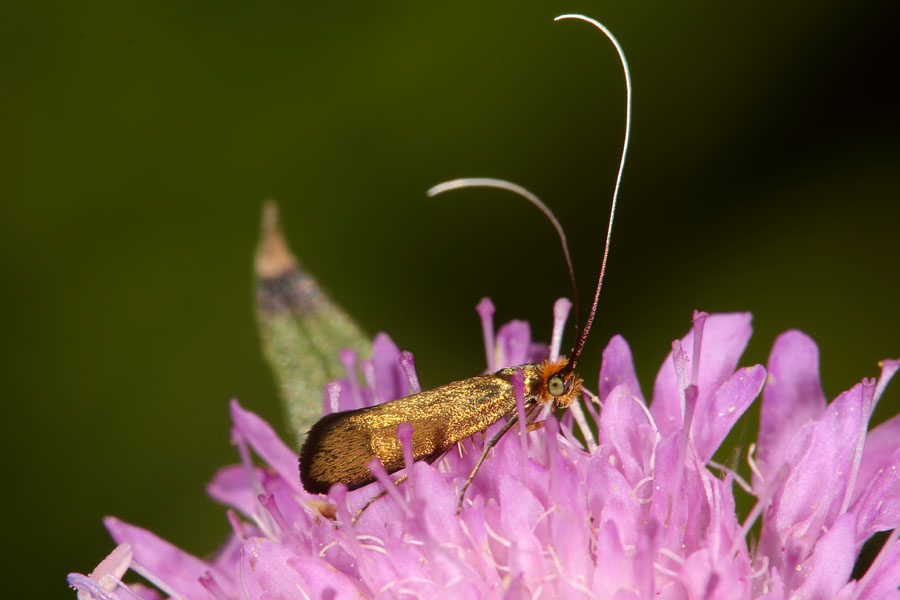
{"points": [[273, 258]]}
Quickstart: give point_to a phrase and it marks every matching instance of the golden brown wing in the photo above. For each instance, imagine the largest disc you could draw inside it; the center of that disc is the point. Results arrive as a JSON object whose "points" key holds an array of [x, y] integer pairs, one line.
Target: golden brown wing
{"points": [[340, 445]]}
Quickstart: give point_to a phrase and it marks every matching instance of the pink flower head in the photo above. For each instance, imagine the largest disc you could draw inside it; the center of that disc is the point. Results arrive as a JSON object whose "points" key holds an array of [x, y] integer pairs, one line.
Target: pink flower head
{"points": [[637, 511]]}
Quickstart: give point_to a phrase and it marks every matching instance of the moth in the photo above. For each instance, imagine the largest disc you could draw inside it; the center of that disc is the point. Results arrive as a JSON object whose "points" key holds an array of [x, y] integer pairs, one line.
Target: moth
{"points": [[340, 445]]}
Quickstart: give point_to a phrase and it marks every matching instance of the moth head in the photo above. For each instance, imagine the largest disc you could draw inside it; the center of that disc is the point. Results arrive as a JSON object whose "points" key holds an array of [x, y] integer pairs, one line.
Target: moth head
{"points": [[558, 384]]}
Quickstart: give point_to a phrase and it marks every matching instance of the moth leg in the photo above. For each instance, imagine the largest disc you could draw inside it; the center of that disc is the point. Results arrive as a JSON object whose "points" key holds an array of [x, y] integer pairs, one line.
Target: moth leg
{"points": [[535, 426], [380, 494], [430, 460], [487, 448]]}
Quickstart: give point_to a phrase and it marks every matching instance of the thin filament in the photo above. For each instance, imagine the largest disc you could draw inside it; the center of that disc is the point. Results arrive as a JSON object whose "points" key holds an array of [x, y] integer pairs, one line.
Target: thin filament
{"points": [[579, 345], [502, 184]]}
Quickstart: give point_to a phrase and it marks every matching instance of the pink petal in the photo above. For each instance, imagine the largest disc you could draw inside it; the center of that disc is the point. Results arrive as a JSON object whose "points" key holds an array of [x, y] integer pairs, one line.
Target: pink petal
{"points": [[263, 439], [103, 581], [174, 570], [515, 589], [143, 593], [537, 353], [265, 572], [697, 575], [321, 579], [878, 508], [671, 488], [792, 397], [486, 310], [286, 500], [713, 421], [617, 368], [113, 567], [614, 571], [611, 500], [889, 368], [724, 338], [519, 512], [817, 484], [439, 512], [391, 381], [341, 395], [628, 594], [621, 430], [881, 443], [513, 344], [88, 589], [569, 537], [884, 580], [227, 560], [231, 487], [831, 563]]}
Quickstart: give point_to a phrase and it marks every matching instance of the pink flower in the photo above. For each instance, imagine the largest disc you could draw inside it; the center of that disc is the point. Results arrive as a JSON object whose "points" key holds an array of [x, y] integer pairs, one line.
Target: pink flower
{"points": [[637, 511]]}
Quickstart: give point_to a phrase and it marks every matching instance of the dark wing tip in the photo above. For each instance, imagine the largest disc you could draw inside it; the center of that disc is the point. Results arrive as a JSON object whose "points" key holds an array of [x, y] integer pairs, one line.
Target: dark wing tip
{"points": [[312, 447]]}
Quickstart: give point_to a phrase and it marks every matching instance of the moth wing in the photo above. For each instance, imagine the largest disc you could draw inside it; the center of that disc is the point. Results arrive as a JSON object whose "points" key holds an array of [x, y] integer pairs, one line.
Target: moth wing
{"points": [[340, 445]]}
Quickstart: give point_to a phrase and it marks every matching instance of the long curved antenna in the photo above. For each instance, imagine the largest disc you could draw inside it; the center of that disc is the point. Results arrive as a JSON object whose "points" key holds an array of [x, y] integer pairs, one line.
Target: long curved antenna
{"points": [[579, 344], [470, 182]]}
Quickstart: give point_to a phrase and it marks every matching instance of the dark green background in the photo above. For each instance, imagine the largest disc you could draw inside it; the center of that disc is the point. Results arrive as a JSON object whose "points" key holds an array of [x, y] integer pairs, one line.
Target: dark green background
{"points": [[138, 141]]}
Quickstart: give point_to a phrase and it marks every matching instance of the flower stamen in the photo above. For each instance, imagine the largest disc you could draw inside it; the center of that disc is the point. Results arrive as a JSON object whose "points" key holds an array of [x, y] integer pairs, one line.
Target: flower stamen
{"points": [[888, 368], [649, 498], [763, 568], [212, 586], [486, 310], [408, 363], [754, 468], [502, 540], [670, 554], [405, 434], [348, 360], [378, 471], [664, 570], [333, 391], [268, 503], [734, 474], [578, 416], [560, 315], [699, 318]]}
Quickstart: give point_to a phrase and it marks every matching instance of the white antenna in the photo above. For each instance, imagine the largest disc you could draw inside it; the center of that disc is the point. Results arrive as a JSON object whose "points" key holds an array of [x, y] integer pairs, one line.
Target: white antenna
{"points": [[579, 344], [517, 189]]}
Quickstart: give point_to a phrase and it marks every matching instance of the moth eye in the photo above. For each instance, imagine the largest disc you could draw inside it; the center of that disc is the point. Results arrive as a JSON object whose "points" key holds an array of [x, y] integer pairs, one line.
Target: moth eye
{"points": [[556, 385]]}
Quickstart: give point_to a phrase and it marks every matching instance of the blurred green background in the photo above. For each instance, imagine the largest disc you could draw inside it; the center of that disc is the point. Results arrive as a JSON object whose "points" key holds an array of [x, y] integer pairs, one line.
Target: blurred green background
{"points": [[138, 141]]}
